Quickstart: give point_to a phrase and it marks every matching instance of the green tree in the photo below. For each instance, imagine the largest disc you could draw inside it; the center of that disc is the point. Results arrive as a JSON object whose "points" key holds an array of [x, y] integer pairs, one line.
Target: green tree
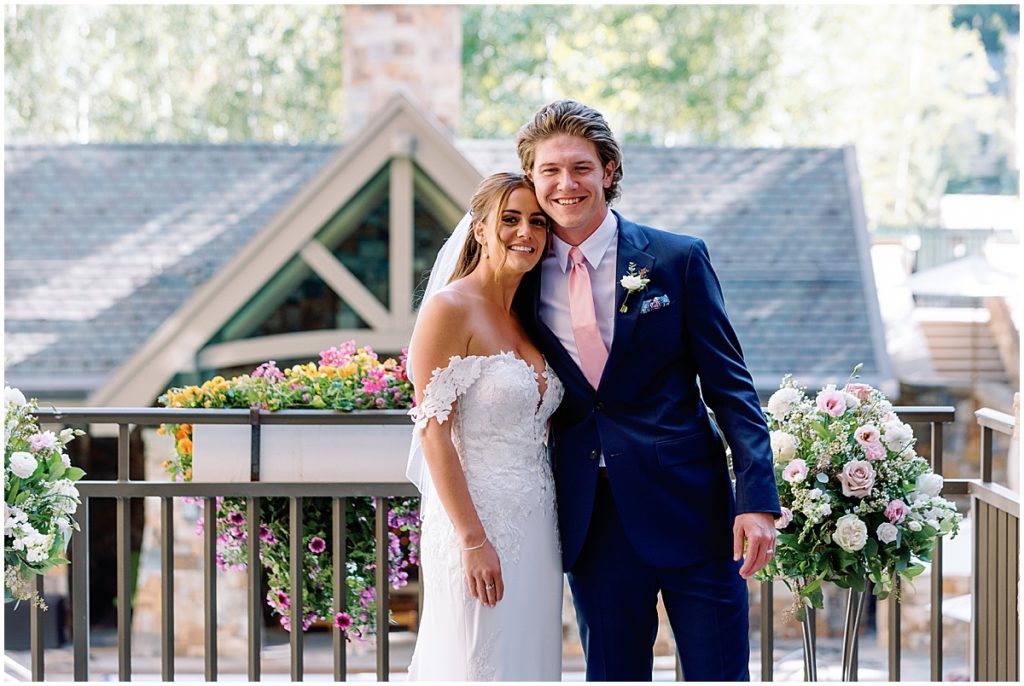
{"points": [[175, 73]]}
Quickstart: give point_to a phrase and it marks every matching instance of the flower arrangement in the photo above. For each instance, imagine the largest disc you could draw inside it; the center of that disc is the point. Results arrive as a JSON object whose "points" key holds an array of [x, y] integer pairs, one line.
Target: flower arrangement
{"points": [[40, 498], [858, 503], [346, 378]]}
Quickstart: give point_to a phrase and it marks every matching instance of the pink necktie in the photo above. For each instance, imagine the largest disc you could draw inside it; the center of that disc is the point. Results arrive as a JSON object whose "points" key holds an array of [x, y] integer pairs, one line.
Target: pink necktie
{"points": [[593, 354]]}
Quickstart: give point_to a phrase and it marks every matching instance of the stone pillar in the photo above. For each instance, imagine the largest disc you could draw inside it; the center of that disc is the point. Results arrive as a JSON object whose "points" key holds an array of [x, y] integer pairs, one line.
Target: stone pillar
{"points": [[147, 615], [416, 49]]}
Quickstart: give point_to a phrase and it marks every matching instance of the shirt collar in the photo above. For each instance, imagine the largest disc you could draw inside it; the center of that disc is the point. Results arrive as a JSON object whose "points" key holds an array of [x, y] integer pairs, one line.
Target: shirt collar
{"points": [[593, 249]]}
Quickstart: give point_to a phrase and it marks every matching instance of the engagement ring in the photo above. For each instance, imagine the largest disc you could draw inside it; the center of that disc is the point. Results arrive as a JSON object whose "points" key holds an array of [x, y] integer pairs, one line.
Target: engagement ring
{"points": [[769, 551], [489, 586]]}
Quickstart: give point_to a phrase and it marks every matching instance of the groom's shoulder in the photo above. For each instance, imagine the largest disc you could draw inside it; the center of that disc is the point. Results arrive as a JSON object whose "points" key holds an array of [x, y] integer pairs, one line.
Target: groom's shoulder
{"points": [[664, 240]]}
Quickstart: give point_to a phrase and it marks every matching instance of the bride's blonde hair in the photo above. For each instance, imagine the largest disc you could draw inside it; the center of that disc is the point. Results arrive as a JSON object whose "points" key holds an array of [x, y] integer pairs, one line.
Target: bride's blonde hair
{"points": [[490, 200]]}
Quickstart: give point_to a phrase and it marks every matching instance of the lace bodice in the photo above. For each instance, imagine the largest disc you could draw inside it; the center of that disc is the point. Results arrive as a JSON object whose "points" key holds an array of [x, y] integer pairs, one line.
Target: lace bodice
{"points": [[499, 425]]}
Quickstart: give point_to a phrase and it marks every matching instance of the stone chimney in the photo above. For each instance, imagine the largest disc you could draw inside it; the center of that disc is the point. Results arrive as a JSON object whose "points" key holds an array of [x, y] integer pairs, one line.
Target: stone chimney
{"points": [[416, 49]]}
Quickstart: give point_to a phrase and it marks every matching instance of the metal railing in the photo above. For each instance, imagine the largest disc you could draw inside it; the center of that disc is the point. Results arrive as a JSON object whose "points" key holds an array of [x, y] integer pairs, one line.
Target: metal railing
{"points": [[123, 490]]}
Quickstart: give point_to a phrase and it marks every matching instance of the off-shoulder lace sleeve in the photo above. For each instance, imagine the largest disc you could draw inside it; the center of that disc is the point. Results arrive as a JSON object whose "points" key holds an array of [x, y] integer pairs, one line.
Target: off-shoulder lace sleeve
{"points": [[445, 386]]}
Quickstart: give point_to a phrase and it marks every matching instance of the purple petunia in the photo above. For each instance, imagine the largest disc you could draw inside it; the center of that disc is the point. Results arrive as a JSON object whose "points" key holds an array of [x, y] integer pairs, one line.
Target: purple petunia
{"points": [[342, 621], [317, 545]]}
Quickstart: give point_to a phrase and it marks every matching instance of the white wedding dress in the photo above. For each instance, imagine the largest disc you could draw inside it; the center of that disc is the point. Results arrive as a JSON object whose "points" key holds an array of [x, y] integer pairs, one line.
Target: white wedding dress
{"points": [[498, 427]]}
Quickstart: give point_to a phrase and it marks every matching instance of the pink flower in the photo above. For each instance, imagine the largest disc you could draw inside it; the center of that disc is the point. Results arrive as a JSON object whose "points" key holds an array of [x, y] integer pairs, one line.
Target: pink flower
{"points": [[342, 621], [860, 390], [784, 519], [857, 477], [874, 451], [795, 471], [831, 402], [867, 434], [896, 511], [317, 545], [45, 440]]}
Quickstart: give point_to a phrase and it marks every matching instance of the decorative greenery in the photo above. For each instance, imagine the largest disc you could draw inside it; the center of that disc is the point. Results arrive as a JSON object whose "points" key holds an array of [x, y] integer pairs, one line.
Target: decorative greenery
{"points": [[40, 498], [345, 379], [857, 502]]}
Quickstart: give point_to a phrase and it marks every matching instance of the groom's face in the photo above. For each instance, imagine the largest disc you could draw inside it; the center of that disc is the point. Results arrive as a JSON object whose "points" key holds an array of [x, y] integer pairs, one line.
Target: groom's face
{"points": [[570, 183]]}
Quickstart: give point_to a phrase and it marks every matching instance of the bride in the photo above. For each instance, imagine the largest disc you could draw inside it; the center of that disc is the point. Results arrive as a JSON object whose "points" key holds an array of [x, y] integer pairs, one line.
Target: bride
{"points": [[491, 565]]}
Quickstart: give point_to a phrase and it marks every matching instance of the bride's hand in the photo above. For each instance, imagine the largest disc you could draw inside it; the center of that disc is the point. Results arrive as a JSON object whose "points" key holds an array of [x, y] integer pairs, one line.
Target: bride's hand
{"points": [[483, 574]]}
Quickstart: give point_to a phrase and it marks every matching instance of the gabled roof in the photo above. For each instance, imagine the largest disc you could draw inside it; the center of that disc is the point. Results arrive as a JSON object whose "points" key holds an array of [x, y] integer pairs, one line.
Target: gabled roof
{"points": [[104, 243]]}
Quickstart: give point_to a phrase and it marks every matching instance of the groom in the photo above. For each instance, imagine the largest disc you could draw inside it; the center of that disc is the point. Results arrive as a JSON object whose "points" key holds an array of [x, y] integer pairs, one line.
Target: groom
{"points": [[645, 500]]}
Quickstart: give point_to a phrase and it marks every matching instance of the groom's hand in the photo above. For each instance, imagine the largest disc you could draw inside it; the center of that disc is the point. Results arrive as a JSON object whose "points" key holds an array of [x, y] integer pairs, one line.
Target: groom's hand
{"points": [[757, 529]]}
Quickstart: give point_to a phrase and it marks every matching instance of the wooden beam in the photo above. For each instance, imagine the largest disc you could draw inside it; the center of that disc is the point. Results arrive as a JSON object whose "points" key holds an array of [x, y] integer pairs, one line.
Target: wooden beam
{"points": [[348, 287]]}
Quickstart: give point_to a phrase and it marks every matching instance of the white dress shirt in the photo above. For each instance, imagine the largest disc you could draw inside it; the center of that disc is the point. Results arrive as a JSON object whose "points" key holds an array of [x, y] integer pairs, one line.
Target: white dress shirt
{"points": [[599, 251]]}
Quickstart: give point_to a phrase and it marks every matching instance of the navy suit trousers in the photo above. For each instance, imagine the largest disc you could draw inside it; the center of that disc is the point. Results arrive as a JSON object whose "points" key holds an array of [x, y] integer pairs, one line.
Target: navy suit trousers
{"points": [[615, 593]]}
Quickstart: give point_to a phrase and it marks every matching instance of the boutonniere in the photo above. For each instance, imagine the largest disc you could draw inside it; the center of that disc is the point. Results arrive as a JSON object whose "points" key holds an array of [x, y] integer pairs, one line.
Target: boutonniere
{"points": [[634, 281]]}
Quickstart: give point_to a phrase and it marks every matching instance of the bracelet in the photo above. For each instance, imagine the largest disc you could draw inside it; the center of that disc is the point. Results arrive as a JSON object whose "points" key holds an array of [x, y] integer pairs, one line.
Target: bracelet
{"points": [[476, 547]]}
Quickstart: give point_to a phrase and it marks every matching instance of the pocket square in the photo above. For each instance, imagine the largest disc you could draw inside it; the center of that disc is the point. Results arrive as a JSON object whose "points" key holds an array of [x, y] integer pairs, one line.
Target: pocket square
{"points": [[655, 303]]}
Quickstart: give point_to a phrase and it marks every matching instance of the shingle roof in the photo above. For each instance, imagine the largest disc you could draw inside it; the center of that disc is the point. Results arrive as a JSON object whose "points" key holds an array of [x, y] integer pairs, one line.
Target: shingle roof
{"points": [[104, 242]]}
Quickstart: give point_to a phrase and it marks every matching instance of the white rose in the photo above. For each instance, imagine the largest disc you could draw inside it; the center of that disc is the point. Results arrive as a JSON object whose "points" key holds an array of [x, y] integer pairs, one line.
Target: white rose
{"points": [[914, 525], [852, 401], [851, 533], [23, 464], [782, 402], [13, 395], [897, 435], [784, 446], [886, 532], [929, 483], [632, 282]]}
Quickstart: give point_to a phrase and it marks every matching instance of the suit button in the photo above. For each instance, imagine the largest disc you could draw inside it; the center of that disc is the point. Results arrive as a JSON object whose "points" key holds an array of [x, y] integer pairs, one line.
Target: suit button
{"points": [[600, 407], [595, 454]]}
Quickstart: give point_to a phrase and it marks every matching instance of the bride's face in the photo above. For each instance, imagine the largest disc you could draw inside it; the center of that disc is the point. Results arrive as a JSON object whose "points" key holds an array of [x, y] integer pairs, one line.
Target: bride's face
{"points": [[516, 238]]}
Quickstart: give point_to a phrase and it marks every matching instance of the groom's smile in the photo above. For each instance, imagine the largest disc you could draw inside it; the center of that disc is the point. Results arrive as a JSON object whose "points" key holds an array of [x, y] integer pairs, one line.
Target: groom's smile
{"points": [[571, 183]]}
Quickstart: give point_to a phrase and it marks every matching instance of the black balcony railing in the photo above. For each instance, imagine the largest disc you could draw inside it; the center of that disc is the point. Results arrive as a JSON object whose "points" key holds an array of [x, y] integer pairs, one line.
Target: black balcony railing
{"points": [[996, 509]]}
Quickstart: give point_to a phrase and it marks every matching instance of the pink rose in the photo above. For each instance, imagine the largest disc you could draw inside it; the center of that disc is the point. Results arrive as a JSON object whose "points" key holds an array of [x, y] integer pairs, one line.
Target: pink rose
{"points": [[857, 478], [860, 390], [795, 471], [874, 451], [784, 519], [831, 402], [896, 511]]}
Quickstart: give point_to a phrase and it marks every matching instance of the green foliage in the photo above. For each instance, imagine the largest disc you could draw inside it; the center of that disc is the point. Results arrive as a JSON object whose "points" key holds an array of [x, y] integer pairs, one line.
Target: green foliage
{"points": [[173, 73]]}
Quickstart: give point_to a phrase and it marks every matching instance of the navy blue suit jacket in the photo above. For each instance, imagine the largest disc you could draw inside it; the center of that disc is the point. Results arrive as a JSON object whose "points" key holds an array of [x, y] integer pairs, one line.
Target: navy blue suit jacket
{"points": [[666, 462]]}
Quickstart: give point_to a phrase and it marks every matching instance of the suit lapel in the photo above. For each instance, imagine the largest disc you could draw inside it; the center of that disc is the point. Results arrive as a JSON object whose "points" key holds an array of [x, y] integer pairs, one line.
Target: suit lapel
{"points": [[631, 245]]}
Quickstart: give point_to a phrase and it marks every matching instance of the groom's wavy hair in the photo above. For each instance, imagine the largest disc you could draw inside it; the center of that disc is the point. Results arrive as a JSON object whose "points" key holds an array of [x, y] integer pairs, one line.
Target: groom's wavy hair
{"points": [[490, 200], [571, 118]]}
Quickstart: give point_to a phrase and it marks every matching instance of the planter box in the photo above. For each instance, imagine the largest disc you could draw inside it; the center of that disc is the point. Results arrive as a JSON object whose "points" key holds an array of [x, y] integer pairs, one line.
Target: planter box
{"points": [[366, 453]]}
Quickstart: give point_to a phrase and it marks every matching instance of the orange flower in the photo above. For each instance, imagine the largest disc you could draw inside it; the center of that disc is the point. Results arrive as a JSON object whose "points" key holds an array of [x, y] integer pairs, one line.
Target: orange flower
{"points": [[161, 431], [185, 446], [188, 474]]}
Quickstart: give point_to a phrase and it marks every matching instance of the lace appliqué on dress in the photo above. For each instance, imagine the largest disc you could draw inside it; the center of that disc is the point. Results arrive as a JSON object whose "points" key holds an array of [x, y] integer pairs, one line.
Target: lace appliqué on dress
{"points": [[444, 388], [481, 662]]}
